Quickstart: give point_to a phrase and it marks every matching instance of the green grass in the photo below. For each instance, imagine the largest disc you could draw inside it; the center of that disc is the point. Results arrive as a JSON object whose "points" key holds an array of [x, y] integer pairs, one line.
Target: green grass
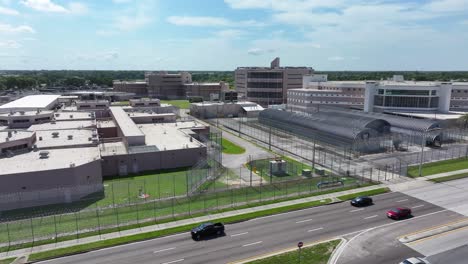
{"points": [[7, 261], [365, 193], [316, 254], [438, 167], [182, 104], [450, 178], [144, 236], [21, 229], [231, 148]]}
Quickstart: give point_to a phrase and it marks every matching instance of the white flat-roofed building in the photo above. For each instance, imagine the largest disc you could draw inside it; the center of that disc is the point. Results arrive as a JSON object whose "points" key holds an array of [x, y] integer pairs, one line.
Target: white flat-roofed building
{"points": [[151, 117], [170, 136], [68, 138], [24, 119], [16, 140], [31, 103], [58, 125], [127, 127], [222, 109], [48, 177], [74, 116]]}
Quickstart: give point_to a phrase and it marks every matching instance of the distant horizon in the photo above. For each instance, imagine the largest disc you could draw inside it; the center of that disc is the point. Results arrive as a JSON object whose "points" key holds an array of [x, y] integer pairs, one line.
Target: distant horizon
{"points": [[220, 35]]}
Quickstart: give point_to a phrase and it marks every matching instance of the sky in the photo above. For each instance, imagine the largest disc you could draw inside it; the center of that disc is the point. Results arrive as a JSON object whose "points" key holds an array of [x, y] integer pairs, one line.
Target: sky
{"points": [[222, 35]]}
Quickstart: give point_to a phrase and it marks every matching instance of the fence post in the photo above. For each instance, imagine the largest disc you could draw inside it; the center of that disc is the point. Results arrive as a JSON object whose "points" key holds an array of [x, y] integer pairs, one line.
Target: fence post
{"points": [[8, 234], [55, 227], [76, 224], [32, 230], [99, 221]]}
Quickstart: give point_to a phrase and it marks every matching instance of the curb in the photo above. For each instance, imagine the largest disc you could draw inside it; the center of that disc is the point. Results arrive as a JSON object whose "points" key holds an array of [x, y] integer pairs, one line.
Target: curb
{"points": [[433, 232], [339, 248], [282, 251]]}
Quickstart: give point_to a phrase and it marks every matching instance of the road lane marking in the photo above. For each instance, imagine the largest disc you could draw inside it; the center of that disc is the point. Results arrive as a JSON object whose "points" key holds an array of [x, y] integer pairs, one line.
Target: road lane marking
{"points": [[251, 244], [162, 250], [174, 261], [360, 232], [316, 229], [404, 200], [369, 217], [417, 206], [240, 234], [303, 221], [356, 210]]}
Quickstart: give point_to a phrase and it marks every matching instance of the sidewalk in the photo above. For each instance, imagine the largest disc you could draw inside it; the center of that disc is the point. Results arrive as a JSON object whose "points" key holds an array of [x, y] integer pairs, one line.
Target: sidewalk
{"points": [[444, 174], [27, 251]]}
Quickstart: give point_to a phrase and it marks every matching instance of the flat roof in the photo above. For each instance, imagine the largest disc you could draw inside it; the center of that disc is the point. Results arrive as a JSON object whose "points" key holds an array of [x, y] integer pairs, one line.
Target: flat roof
{"points": [[106, 123], [170, 136], [113, 148], [125, 123], [69, 116], [58, 159], [26, 113], [79, 137], [41, 101], [63, 125], [15, 135]]}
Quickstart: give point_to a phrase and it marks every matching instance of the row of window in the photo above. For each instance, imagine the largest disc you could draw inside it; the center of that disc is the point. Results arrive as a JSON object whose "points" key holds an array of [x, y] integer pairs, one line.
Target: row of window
{"points": [[264, 85], [407, 102], [264, 95], [267, 75]]}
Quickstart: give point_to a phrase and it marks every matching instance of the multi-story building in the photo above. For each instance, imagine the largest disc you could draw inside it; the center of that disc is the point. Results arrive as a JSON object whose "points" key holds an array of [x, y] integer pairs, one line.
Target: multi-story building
{"points": [[269, 85], [166, 85], [394, 95]]}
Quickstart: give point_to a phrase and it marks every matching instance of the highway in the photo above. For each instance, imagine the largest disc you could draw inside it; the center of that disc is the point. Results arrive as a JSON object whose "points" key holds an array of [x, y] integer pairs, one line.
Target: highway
{"points": [[264, 235]]}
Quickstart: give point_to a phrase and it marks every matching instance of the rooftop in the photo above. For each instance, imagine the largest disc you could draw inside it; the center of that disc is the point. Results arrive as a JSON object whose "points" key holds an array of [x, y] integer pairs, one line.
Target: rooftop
{"points": [[14, 135], [125, 123], [31, 102], [170, 136], [58, 159], [26, 113], [65, 138], [113, 148], [106, 123], [77, 124], [67, 116]]}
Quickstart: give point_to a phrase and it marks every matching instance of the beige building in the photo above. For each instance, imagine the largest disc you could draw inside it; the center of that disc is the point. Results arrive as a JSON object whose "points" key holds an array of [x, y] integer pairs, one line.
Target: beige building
{"points": [[205, 90], [139, 88], [269, 85]]}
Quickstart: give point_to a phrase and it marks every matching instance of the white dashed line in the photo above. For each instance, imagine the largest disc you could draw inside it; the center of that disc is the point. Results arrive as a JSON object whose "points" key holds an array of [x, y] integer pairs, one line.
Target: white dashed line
{"points": [[303, 221], [174, 261], [162, 250], [404, 200], [240, 234], [316, 229], [417, 206], [369, 217], [251, 244], [356, 210]]}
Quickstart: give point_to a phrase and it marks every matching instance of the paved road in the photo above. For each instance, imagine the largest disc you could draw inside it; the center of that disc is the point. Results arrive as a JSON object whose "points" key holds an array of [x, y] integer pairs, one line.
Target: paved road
{"points": [[264, 235], [451, 195], [455, 256]]}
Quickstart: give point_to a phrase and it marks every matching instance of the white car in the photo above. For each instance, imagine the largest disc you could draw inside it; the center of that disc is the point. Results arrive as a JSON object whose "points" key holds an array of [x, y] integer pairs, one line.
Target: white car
{"points": [[414, 261]]}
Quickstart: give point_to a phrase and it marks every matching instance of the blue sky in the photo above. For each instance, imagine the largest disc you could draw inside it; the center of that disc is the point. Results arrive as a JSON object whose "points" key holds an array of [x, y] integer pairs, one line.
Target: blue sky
{"points": [[221, 35]]}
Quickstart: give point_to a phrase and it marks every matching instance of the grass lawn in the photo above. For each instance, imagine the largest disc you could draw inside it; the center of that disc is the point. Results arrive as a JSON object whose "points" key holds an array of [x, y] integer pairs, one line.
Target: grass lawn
{"points": [[316, 254], [231, 148], [366, 193], [450, 178], [182, 104], [439, 167], [7, 261]]}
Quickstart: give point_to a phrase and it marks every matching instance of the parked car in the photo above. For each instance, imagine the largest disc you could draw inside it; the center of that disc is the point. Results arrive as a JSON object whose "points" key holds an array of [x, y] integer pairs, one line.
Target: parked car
{"points": [[207, 229], [361, 201], [399, 213], [414, 261]]}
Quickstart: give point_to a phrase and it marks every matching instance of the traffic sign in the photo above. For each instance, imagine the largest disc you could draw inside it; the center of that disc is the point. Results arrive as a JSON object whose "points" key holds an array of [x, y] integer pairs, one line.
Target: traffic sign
{"points": [[300, 244]]}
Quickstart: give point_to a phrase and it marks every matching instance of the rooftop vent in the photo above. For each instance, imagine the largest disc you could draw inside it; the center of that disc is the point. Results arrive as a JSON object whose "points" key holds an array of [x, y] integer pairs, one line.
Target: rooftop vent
{"points": [[52, 122], [57, 114], [22, 113], [44, 154], [72, 165], [70, 137], [9, 134], [55, 134], [40, 138]]}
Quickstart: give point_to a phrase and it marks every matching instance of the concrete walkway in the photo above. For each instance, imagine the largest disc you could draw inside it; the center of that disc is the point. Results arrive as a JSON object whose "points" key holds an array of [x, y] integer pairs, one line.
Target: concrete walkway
{"points": [[444, 174], [27, 251]]}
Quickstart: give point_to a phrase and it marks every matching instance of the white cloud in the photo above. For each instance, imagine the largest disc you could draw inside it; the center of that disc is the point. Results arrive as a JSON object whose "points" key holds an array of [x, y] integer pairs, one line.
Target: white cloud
{"points": [[8, 11], [336, 58], [258, 51], [10, 44], [49, 6], [230, 33], [447, 6], [7, 28], [127, 23], [198, 21]]}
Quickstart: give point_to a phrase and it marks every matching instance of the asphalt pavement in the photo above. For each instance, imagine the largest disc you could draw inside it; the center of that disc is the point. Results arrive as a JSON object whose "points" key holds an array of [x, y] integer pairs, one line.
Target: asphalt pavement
{"points": [[267, 234]]}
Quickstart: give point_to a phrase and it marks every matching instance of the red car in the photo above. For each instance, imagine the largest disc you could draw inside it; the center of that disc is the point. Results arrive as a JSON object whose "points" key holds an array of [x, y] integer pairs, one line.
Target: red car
{"points": [[399, 213]]}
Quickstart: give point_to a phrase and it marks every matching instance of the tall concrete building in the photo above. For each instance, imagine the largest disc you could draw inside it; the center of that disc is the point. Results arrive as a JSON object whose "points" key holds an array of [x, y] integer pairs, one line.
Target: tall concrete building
{"points": [[269, 85], [393, 95], [167, 85]]}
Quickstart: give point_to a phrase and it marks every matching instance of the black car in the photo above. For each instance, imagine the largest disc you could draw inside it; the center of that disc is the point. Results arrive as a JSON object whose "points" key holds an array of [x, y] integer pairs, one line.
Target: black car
{"points": [[207, 229], [361, 201]]}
